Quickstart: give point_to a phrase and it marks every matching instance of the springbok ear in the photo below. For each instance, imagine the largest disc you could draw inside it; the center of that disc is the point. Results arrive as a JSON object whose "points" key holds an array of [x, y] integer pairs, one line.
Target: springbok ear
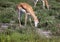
{"points": [[36, 23]]}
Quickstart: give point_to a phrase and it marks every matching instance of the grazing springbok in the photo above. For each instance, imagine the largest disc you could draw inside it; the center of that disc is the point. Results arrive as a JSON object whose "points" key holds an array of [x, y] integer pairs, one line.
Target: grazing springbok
{"points": [[28, 10], [45, 3]]}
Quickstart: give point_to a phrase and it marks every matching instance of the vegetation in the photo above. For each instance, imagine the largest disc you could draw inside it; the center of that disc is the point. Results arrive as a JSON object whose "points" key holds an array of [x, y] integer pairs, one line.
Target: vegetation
{"points": [[48, 20]]}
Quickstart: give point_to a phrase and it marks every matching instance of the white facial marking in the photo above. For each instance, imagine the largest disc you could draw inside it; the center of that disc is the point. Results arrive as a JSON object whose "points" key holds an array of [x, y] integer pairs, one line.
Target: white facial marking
{"points": [[36, 23]]}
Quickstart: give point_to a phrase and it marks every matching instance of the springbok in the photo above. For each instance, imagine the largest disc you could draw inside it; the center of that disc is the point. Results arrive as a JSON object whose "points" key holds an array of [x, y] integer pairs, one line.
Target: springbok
{"points": [[45, 3], [28, 10]]}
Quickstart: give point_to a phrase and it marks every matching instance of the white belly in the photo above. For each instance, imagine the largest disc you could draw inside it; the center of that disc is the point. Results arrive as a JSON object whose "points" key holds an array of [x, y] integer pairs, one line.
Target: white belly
{"points": [[23, 10], [35, 0]]}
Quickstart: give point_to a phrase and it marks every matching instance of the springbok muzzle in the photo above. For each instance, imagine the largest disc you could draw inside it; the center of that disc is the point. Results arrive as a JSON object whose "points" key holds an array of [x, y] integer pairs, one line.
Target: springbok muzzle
{"points": [[36, 23]]}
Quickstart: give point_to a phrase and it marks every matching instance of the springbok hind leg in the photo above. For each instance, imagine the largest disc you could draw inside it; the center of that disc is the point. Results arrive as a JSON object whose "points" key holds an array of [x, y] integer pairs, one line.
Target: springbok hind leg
{"points": [[35, 2], [43, 4], [47, 5], [19, 19]]}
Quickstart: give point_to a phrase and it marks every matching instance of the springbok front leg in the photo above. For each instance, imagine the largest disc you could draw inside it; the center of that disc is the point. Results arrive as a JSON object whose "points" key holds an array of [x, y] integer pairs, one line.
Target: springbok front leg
{"points": [[26, 15], [45, 3]]}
